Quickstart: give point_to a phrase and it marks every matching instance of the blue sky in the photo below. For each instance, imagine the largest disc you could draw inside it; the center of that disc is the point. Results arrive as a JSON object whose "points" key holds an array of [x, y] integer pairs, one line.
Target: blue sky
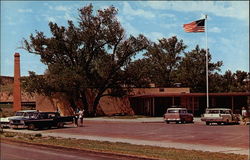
{"points": [[228, 27]]}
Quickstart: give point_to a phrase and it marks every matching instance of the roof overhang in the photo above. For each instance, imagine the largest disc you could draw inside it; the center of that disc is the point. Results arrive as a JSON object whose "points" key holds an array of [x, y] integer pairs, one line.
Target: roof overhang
{"points": [[190, 94]]}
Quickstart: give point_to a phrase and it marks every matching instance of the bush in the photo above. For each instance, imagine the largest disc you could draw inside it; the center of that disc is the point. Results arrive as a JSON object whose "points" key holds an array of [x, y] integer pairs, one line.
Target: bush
{"points": [[9, 135], [38, 135]]}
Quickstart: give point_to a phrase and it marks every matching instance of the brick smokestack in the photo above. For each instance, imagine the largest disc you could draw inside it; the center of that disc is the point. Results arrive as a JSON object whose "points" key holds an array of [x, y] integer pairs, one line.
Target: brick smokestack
{"points": [[17, 87]]}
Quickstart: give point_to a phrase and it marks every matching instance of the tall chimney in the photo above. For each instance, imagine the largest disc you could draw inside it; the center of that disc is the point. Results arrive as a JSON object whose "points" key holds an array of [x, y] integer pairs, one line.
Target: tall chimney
{"points": [[17, 87]]}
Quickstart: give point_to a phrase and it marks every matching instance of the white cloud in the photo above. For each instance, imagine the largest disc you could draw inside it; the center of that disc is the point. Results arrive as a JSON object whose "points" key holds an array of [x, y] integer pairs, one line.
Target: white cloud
{"points": [[62, 8], [168, 26], [67, 16], [233, 9], [154, 36], [24, 10], [168, 15], [233, 53], [51, 19], [11, 21], [130, 30], [214, 29], [129, 11]]}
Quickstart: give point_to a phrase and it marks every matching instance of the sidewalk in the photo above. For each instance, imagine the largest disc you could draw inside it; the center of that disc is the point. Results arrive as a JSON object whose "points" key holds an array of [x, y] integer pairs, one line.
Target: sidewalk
{"points": [[142, 120]]}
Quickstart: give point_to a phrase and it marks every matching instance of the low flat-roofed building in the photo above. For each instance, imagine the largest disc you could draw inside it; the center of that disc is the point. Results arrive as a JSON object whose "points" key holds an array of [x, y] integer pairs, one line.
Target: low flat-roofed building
{"points": [[157, 103]]}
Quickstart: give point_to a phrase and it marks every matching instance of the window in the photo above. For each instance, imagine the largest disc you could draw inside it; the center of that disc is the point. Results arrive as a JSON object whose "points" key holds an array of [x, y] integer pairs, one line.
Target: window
{"points": [[214, 111], [19, 113], [183, 111], [173, 111], [51, 115]]}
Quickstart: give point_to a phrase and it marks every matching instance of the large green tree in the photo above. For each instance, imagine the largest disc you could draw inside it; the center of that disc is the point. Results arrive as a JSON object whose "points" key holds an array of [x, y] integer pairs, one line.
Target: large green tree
{"points": [[90, 56], [163, 59], [235, 82], [192, 69]]}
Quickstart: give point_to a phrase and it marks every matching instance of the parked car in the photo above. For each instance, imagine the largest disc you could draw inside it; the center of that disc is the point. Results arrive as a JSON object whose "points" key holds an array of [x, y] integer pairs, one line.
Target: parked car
{"points": [[5, 121], [178, 115], [219, 116], [41, 120]]}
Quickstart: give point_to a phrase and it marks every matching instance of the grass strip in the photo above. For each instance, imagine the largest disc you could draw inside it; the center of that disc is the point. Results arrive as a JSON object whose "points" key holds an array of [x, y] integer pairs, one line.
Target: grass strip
{"points": [[122, 148]]}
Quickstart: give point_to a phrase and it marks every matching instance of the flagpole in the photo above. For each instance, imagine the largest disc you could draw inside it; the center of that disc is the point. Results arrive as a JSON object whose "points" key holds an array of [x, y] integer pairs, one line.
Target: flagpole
{"points": [[206, 63]]}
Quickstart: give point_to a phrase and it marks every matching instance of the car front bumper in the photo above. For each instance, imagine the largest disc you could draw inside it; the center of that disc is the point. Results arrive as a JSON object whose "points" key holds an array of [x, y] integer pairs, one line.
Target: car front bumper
{"points": [[212, 119], [173, 120], [16, 126]]}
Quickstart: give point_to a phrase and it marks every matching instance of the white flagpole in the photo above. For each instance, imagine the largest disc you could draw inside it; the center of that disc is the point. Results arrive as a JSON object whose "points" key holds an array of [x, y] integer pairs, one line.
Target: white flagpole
{"points": [[206, 62]]}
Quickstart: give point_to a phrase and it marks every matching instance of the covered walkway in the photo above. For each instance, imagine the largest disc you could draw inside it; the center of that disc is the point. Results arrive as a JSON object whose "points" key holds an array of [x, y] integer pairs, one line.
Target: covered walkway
{"points": [[156, 104]]}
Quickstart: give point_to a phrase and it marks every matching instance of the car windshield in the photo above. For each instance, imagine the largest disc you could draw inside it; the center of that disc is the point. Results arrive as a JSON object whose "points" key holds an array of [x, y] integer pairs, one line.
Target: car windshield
{"points": [[173, 111], [213, 111], [33, 115], [19, 114]]}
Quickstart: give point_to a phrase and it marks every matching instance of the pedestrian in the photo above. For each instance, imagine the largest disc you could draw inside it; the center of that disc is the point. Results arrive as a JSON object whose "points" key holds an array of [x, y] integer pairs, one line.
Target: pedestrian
{"points": [[244, 112], [244, 115], [81, 113], [76, 116]]}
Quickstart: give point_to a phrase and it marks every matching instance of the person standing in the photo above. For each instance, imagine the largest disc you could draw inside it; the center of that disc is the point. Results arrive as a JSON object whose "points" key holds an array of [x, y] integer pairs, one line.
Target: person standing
{"points": [[244, 112], [81, 113], [76, 117]]}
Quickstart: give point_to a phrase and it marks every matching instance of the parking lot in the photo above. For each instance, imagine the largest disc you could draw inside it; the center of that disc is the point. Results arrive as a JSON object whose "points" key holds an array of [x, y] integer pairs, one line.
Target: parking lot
{"points": [[197, 136]]}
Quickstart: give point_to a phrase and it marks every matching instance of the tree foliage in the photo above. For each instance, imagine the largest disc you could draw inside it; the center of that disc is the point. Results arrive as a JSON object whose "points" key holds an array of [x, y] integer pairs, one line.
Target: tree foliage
{"points": [[163, 59], [192, 69], [94, 55]]}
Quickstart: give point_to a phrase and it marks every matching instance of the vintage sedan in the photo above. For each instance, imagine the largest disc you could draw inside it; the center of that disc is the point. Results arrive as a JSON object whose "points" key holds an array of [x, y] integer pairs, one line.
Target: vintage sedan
{"points": [[219, 116], [178, 115], [5, 121]]}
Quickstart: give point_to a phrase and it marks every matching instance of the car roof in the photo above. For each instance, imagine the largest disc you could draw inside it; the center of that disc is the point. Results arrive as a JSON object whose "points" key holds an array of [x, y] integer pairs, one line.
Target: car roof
{"points": [[176, 108], [27, 111], [218, 109], [48, 112]]}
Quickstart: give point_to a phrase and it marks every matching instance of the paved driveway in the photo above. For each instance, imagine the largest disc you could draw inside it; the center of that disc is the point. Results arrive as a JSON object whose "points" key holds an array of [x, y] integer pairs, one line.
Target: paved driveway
{"points": [[198, 136]]}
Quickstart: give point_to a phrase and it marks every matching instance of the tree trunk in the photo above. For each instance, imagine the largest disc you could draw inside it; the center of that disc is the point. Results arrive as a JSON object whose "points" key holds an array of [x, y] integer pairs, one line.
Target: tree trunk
{"points": [[95, 104], [85, 102], [72, 103]]}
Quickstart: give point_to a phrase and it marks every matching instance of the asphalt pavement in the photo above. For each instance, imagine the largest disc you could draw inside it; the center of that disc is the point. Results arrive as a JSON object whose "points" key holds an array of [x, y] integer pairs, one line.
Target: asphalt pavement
{"points": [[97, 129]]}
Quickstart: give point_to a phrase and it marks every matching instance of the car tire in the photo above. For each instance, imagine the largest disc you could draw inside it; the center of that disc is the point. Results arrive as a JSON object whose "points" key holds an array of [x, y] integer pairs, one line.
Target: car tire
{"points": [[219, 123], [167, 122], [60, 125], [31, 127], [207, 123]]}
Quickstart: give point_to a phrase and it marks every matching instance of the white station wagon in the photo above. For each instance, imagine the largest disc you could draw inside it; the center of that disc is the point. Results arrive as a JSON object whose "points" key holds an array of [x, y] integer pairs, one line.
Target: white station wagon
{"points": [[219, 116]]}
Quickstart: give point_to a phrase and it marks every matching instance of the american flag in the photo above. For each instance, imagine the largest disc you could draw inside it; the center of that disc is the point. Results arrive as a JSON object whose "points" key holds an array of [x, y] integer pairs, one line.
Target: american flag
{"points": [[195, 26]]}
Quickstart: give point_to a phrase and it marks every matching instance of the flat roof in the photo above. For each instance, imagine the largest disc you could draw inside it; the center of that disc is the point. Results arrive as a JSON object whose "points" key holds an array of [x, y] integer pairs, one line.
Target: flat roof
{"points": [[190, 94]]}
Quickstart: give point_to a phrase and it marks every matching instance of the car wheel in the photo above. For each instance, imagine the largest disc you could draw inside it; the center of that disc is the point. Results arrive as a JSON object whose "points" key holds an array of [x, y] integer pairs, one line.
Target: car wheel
{"points": [[219, 123], [167, 122], [207, 123], [31, 127], [48, 127], [60, 124]]}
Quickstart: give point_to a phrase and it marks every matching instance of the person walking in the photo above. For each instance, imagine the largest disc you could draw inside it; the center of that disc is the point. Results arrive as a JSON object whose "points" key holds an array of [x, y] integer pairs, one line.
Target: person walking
{"points": [[81, 113], [76, 117]]}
